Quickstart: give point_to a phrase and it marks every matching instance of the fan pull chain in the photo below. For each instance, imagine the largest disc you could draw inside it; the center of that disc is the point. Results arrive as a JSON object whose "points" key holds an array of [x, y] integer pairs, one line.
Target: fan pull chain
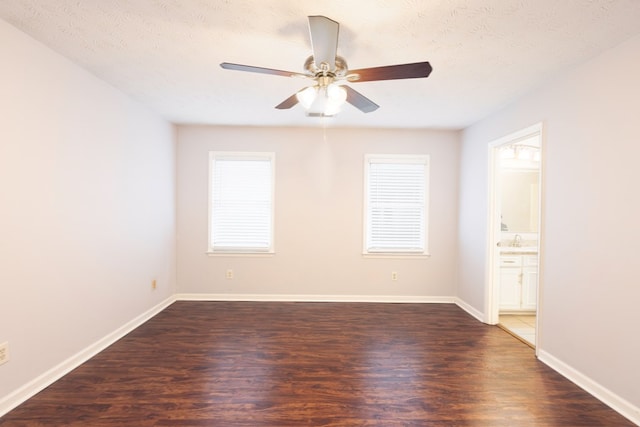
{"points": [[324, 130]]}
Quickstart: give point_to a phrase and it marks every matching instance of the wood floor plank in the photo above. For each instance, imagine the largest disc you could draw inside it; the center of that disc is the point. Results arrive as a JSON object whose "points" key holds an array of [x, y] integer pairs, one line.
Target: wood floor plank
{"points": [[314, 364]]}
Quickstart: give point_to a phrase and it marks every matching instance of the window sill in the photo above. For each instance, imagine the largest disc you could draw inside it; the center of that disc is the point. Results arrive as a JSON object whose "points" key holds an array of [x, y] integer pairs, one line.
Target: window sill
{"points": [[241, 254], [397, 255]]}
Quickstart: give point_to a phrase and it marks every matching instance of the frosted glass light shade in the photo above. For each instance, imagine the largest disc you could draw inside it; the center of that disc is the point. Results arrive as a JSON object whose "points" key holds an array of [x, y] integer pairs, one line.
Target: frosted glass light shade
{"points": [[322, 101], [336, 94], [307, 96]]}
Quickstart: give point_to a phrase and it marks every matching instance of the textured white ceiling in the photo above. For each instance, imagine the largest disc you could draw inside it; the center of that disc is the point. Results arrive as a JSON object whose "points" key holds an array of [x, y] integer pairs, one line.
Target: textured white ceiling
{"points": [[166, 53]]}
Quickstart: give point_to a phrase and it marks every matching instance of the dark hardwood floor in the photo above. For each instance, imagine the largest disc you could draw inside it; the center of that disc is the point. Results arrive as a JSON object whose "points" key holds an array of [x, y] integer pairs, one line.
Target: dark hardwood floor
{"points": [[314, 364]]}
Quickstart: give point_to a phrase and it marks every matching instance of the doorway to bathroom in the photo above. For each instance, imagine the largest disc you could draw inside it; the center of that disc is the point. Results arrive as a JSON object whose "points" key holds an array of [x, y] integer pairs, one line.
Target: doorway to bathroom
{"points": [[514, 230]]}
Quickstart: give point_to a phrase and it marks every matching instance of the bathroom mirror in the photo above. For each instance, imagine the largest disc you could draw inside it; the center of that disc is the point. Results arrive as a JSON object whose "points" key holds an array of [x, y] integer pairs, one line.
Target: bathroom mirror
{"points": [[519, 200]]}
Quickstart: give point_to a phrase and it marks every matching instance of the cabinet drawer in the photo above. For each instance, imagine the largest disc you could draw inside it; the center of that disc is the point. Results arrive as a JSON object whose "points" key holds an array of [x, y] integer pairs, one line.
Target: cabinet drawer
{"points": [[530, 260], [510, 261]]}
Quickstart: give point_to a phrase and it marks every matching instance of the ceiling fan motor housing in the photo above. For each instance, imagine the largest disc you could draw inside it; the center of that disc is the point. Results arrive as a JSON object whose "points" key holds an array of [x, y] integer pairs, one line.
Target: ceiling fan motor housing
{"points": [[318, 71]]}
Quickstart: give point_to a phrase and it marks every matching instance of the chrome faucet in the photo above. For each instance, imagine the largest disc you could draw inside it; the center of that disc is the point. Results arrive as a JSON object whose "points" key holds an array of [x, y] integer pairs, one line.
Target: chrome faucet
{"points": [[517, 241]]}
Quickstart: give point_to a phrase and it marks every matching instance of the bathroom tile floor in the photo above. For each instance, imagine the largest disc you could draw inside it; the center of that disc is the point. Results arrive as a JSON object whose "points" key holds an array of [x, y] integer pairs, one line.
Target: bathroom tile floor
{"points": [[521, 325]]}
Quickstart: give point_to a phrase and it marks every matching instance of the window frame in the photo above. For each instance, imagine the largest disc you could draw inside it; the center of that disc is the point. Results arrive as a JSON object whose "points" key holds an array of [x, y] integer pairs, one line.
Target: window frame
{"points": [[423, 159], [239, 155]]}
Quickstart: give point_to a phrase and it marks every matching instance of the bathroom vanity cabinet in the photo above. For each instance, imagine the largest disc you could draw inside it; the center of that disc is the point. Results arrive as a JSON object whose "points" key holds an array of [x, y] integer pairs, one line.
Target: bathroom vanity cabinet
{"points": [[518, 282]]}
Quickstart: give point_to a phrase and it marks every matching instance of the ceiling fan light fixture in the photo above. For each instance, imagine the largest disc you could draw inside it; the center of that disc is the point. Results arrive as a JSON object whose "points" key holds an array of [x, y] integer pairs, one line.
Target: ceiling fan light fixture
{"points": [[336, 97], [322, 101], [336, 93], [307, 96]]}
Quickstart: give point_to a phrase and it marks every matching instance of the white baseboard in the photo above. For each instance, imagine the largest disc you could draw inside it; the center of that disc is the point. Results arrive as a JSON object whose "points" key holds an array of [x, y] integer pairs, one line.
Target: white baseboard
{"points": [[39, 383], [469, 309], [620, 405], [314, 298]]}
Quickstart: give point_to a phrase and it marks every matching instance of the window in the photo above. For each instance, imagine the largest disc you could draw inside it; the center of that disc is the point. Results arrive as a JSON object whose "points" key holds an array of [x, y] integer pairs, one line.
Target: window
{"points": [[396, 201], [241, 202]]}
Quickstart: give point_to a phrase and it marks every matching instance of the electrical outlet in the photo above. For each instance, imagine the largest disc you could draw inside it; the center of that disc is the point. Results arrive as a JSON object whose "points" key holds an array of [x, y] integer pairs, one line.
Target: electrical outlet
{"points": [[154, 284], [229, 274], [4, 352], [394, 275]]}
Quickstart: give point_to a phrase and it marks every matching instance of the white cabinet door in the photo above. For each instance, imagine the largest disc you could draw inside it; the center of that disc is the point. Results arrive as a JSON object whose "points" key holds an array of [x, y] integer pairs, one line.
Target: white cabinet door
{"points": [[529, 282], [510, 288], [518, 282]]}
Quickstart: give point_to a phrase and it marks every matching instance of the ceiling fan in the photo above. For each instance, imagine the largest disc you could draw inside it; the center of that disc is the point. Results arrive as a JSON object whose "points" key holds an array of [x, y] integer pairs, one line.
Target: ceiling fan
{"points": [[329, 71]]}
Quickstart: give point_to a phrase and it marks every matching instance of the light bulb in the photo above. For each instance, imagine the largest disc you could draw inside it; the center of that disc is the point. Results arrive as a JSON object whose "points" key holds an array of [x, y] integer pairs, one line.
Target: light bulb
{"points": [[507, 153], [524, 153]]}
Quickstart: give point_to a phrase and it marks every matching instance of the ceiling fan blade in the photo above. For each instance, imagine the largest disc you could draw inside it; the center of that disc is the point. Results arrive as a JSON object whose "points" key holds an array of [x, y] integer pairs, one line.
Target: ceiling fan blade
{"points": [[288, 103], [360, 101], [392, 72], [252, 69], [324, 40]]}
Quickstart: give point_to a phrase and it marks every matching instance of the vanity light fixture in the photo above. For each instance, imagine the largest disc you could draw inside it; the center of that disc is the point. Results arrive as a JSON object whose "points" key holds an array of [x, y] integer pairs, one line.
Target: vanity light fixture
{"points": [[520, 152], [523, 153], [507, 153]]}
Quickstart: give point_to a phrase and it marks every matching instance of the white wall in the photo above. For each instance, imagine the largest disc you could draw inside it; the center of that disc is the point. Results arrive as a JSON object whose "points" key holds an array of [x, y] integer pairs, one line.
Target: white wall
{"points": [[318, 215], [589, 315], [87, 202]]}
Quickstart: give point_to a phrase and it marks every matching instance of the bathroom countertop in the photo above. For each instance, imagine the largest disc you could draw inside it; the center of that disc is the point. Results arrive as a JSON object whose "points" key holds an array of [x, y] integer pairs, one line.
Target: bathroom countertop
{"points": [[514, 250]]}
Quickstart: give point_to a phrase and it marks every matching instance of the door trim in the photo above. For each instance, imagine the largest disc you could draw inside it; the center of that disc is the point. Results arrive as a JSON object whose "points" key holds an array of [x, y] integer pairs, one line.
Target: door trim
{"points": [[492, 289]]}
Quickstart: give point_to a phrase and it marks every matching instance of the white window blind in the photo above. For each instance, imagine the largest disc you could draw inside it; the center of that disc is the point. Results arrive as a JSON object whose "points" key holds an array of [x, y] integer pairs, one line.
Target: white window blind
{"points": [[241, 202], [396, 204]]}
